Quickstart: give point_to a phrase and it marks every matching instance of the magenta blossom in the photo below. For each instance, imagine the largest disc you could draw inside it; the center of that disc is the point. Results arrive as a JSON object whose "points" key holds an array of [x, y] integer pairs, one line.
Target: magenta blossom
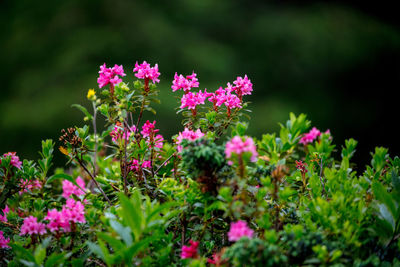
{"points": [[110, 75], [243, 86], [71, 189], [232, 101], [4, 241], [189, 135], [148, 129], [144, 71], [238, 230], [32, 226], [14, 159], [191, 100], [118, 133], [180, 82], [3, 218], [191, 251], [74, 211], [57, 221], [310, 136], [237, 146]]}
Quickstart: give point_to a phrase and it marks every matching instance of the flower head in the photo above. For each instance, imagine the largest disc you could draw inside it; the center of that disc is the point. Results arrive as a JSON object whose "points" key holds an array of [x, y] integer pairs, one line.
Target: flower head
{"points": [[71, 189], [238, 230], [32, 226], [180, 82], [232, 101], [4, 241], [144, 71], [189, 135], [57, 221], [238, 146], [190, 252], [110, 75], [243, 86], [14, 159], [148, 129], [91, 94], [3, 218], [29, 185], [310, 136], [119, 133]]}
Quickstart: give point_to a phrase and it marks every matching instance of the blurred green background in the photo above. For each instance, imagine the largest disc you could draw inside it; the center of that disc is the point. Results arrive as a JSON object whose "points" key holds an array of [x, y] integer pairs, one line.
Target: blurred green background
{"points": [[336, 62]]}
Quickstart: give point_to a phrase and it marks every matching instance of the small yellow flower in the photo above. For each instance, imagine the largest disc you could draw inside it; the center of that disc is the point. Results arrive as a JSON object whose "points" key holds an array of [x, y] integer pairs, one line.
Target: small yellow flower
{"points": [[63, 150], [91, 95]]}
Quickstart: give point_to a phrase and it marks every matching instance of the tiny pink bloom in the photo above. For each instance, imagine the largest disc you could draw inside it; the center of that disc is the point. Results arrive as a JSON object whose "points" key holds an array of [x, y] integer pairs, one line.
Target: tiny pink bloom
{"points": [[232, 101], [189, 135], [243, 86], [3, 218], [238, 230], [32, 226], [57, 221], [120, 134], [146, 164], [191, 251], [110, 75], [238, 146], [4, 241], [148, 129], [71, 189], [180, 82], [144, 71], [74, 211], [310, 136], [14, 159]]}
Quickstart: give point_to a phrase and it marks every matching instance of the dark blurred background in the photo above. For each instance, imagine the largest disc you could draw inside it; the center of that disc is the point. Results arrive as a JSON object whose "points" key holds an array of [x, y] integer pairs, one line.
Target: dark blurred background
{"points": [[338, 62]]}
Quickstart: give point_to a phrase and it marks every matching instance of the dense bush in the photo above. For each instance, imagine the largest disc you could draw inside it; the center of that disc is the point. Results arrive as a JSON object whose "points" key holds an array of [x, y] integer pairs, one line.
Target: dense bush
{"points": [[129, 197]]}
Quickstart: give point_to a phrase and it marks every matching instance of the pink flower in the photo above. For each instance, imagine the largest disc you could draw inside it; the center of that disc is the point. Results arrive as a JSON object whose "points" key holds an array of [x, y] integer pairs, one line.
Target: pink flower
{"points": [[57, 221], [74, 211], [148, 129], [180, 82], [14, 159], [32, 226], [110, 75], [158, 141], [191, 251], [310, 136], [29, 185], [232, 101], [118, 133], [146, 164], [238, 146], [218, 98], [3, 218], [216, 259], [144, 71], [71, 189], [238, 230], [4, 241], [189, 135], [191, 100], [243, 86], [301, 166]]}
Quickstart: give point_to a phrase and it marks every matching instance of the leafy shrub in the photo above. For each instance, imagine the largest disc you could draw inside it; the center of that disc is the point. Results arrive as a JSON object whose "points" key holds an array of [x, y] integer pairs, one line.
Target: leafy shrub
{"points": [[212, 196]]}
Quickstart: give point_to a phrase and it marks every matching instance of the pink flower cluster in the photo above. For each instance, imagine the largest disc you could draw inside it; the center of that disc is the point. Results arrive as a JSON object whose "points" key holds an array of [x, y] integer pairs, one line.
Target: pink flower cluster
{"points": [[4, 241], [110, 75], [32, 226], [311, 136], [144, 71], [191, 100], [135, 166], [189, 135], [180, 82], [243, 86], [71, 189], [72, 211], [224, 96], [191, 251], [14, 159], [149, 131], [238, 230], [3, 218], [238, 146], [118, 134], [29, 185]]}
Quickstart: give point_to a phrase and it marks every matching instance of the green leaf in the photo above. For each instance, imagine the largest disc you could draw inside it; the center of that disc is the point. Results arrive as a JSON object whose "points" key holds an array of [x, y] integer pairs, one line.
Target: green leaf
{"points": [[131, 213], [114, 243], [124, 232], [55, 259], [383, 196], [40, 254], [84, 110], [94, 248]]}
